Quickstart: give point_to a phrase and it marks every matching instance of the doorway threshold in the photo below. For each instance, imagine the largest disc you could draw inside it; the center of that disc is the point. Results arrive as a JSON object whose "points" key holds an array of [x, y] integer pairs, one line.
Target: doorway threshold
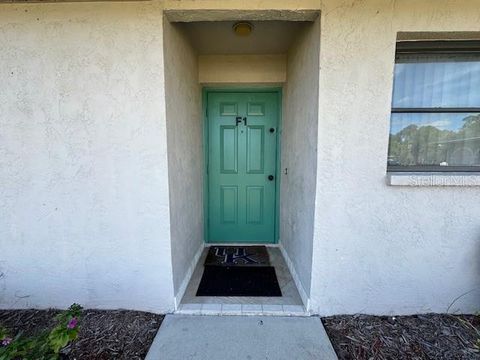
{"points": [[289, 304]]}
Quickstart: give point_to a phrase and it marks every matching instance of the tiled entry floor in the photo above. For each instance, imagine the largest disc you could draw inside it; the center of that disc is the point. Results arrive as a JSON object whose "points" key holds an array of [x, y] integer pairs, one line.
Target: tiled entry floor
{"points": [[289, 303]]}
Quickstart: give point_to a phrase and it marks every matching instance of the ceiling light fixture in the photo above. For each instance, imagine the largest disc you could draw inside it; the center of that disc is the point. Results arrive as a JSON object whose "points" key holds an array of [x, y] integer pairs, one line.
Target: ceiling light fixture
{"points": [[242, 28]]}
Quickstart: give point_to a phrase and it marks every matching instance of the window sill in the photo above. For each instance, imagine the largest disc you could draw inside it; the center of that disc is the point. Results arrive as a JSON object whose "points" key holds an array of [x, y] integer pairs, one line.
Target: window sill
{"points": [[438, 179]]}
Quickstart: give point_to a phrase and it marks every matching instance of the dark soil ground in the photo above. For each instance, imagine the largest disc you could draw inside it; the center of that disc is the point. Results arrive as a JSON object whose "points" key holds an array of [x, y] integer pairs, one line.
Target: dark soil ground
{"points": [[429, 336], [104, 335]]}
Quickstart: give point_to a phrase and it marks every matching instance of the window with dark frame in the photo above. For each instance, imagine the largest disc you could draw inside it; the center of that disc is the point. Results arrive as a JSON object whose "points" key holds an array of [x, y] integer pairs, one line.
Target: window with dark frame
{"points": [[435, 119]]}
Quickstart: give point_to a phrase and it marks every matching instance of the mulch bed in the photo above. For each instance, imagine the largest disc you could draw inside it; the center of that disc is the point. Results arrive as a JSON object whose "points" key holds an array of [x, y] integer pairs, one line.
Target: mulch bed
{"points": [[117, 334], [430, 336], [121, 334]]}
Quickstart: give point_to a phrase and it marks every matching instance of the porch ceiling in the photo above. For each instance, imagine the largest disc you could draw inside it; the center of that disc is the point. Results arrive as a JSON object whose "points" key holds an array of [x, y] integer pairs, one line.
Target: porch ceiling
{"points": [[267, 37]]}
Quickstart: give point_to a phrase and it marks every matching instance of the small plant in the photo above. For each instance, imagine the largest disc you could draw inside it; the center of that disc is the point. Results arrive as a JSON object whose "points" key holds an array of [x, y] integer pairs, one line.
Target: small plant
{"points": [[46, 345]]}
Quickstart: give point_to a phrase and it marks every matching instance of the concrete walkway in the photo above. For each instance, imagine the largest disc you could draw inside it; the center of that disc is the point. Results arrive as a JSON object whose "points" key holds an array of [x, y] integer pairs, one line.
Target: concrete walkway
{"points": [[241, 337]]}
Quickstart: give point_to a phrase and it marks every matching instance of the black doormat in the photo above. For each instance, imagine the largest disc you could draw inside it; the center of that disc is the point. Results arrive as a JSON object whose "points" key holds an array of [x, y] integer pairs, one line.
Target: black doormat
{"points": [[237, 256], [239, 281]]}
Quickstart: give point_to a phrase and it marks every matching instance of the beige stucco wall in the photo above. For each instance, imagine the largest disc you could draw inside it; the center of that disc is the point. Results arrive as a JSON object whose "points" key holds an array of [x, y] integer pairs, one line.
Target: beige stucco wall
{"points": [[84, 201], [242, 69], [381, 249], [185, 153], [84, 197], [299, 155]]}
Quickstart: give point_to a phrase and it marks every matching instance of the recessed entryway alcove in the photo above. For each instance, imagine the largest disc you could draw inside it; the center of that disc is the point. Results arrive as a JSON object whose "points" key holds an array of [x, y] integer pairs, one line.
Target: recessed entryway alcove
{"points": [[281, 54]]}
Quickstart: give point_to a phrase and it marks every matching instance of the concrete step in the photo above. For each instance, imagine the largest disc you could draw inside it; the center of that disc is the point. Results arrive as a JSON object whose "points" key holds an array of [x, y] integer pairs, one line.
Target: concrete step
{"points": [[190, 337]]}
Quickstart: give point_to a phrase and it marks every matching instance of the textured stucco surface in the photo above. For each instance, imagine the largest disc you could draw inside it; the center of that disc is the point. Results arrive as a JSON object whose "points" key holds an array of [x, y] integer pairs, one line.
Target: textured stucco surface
{"points": [[299, 152], [84, 195], [230, 5], [84, 207], [383, 249], [185, 149], [222, 15]]}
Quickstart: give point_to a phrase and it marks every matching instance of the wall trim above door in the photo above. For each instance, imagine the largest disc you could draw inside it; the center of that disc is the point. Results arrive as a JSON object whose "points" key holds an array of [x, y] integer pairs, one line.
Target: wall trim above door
{"points": [[191, 15]]}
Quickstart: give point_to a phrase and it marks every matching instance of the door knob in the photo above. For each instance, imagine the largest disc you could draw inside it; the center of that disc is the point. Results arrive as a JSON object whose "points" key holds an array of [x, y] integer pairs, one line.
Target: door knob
{"points": [[271, 177]]}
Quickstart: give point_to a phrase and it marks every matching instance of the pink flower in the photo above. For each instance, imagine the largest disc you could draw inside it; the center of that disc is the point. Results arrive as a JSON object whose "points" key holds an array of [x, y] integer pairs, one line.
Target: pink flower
{"points": [[72, 323], [6, 341]]}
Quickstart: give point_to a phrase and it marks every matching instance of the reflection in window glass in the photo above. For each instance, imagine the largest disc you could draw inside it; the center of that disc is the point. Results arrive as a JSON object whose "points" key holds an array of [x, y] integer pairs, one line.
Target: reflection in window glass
{"points": [[434, 139], [435, 122]]}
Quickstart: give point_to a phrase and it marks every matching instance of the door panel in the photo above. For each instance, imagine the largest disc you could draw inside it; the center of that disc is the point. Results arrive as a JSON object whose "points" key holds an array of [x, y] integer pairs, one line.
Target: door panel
{"points": [[229, 204], [228, 149], [255, 204], [255, 149], [242, 154]]}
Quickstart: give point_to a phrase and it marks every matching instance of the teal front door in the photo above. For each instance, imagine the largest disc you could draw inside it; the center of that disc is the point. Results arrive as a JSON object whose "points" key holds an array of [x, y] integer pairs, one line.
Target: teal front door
{"points": [[242, 156]]}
